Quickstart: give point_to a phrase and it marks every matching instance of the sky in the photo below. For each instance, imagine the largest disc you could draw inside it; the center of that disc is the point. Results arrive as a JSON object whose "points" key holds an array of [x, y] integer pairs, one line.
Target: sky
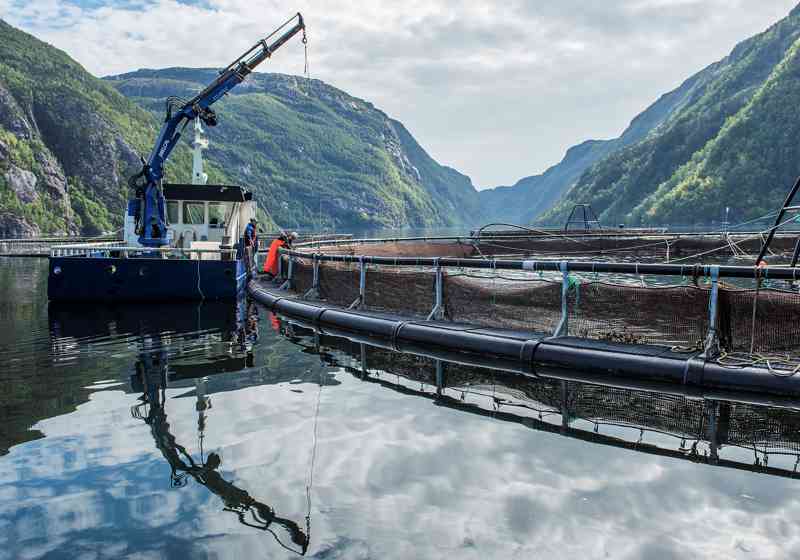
{"points": [[497, 90]]}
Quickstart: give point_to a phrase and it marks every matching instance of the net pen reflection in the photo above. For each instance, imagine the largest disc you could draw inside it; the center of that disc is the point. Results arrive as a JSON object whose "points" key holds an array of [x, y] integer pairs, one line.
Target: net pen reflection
{"points": [[742, 432]]}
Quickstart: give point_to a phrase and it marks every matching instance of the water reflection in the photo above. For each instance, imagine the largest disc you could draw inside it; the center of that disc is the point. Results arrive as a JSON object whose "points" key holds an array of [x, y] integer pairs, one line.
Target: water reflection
{"points": [[192, 432], [151, 380], [222, 334], [747, 432]]}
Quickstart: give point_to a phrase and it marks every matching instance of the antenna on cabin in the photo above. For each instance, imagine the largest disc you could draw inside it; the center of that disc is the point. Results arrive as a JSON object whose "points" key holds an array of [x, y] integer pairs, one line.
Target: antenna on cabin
{"points": [[199, 144]]}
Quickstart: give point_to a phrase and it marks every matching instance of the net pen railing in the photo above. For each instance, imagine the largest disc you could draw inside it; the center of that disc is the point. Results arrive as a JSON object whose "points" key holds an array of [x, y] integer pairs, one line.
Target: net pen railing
{"points": [[535, 243], [117, 250], [711, 309]]}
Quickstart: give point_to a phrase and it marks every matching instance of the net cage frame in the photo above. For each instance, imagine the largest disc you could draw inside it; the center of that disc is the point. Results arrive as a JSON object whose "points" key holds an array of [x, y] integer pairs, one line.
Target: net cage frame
{"points": [[620, 302]]}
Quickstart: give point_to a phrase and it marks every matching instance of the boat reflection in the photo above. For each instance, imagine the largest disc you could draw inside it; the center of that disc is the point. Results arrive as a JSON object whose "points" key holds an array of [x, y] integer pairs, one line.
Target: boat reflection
{"points": [[210, 337], [183, 346], [741, 432], [151, 380]]}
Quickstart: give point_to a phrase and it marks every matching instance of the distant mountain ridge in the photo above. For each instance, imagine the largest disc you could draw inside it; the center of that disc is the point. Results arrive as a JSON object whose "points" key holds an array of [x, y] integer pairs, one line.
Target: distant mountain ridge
{"points": [[533, 196]]}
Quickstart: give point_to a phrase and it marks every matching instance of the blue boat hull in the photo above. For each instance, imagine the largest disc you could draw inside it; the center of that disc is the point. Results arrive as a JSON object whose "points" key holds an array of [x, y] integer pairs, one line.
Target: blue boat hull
{"points": [[143, 279]]}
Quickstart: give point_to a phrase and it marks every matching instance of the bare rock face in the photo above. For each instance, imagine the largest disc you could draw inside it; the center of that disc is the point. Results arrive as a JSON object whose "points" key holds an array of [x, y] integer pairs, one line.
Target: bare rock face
{"points": [[22, 182], [95, 153], [12, 117], [52, 177], [13, 226], [394, 146]]}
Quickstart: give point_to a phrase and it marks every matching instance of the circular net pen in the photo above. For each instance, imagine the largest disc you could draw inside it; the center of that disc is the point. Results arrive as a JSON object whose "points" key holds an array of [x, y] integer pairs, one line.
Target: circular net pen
{"points": [[736, 314]]}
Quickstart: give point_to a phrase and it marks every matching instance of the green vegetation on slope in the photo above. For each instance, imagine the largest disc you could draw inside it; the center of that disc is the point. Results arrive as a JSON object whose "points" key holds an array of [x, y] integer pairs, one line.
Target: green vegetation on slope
{"points": [[68, 143], [316, 156], [732, 142]]}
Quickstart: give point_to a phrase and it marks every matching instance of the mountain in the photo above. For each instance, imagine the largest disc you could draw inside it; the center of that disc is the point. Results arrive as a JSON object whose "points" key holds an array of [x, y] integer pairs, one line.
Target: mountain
{"points": [[532, 196], [730, 141], [308, 150], [69, 141]]}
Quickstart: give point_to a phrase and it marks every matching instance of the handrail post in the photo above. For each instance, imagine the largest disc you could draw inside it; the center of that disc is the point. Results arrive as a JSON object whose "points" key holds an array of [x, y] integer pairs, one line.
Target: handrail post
{"points": [[566, 413], [438, 309], [711, 413], [313, 292], [362, 285], [287, 285], [563, 326], [364, 372], [711, 347]]}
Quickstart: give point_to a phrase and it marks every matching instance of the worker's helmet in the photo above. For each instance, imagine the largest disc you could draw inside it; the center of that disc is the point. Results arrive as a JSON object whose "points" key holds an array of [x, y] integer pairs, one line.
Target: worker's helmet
{"points": [[294, 235]]}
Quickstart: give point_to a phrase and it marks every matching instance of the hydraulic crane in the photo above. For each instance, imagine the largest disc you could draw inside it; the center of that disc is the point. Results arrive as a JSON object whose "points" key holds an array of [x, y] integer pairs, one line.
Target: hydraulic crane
{"points": [[151, 226]]}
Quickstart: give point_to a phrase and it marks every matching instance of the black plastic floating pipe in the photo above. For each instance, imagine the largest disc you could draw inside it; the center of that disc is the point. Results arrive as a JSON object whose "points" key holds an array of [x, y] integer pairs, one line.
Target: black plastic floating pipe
{"points": [[774, 273], [608, 363]]}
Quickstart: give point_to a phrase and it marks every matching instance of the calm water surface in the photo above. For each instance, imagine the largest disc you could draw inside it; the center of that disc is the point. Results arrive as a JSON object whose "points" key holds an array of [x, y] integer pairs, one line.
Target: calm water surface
{"points": [[215, 431]]}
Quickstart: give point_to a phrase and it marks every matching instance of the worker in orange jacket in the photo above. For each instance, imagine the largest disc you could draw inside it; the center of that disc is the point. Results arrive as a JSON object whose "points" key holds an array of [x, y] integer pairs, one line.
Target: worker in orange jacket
{"points": [[271, 263]]}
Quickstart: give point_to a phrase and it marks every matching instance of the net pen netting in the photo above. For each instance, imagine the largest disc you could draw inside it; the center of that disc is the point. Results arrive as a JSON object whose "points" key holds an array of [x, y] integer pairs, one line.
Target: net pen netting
{"points": [[752, 319]]}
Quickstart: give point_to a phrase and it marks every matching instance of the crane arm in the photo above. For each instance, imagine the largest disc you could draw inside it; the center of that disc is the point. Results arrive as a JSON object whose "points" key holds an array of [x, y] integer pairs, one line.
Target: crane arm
{"points": [[151, 217]]}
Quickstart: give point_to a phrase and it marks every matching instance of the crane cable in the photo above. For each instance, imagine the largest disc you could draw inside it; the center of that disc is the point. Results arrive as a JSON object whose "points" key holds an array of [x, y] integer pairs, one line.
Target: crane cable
{"points": [[305, 63], [310, 483]]}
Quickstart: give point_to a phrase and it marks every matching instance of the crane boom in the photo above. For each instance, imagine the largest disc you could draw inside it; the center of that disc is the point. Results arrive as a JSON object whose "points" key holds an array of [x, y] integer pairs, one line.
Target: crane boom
{"points": [[151, 216]]}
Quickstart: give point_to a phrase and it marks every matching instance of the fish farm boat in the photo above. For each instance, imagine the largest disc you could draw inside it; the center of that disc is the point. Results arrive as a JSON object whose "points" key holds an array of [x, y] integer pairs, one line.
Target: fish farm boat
{"points": [[181, 242], [200, 262]]}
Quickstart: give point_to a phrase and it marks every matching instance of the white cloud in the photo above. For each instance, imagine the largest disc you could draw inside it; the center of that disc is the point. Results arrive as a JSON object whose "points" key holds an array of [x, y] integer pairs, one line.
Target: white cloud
{"points": [[498, 91]]}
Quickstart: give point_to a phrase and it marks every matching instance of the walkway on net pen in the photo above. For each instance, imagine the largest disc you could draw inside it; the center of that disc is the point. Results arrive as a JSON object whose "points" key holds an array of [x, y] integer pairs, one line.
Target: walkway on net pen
{"points": [[705, 326]]}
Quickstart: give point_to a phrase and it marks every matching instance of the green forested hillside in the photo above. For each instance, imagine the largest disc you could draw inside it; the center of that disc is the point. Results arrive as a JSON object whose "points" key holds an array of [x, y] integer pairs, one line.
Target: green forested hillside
{"points": [[68, 142], [732, 142], [313, 154]]}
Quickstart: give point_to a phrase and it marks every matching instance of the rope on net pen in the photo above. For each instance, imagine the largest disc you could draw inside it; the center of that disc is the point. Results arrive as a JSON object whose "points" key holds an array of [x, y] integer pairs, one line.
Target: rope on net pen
{"points": [[759, 235], [738, 360], [539, 231], [765, 216], [586, 252]]}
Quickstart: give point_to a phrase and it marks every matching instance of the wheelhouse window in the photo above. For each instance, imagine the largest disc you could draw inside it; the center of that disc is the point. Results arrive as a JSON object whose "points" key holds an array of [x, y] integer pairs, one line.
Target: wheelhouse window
{"points": [[194, 213], [173, 216], [216, 215]]}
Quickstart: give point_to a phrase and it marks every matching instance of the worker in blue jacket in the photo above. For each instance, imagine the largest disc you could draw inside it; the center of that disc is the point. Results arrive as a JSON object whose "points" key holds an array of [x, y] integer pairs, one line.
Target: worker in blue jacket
{"points": [[251, 244]]}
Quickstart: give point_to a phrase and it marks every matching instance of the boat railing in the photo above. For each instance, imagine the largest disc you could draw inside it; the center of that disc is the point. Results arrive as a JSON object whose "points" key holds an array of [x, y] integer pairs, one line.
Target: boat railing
{"points": [[108, 250]]}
